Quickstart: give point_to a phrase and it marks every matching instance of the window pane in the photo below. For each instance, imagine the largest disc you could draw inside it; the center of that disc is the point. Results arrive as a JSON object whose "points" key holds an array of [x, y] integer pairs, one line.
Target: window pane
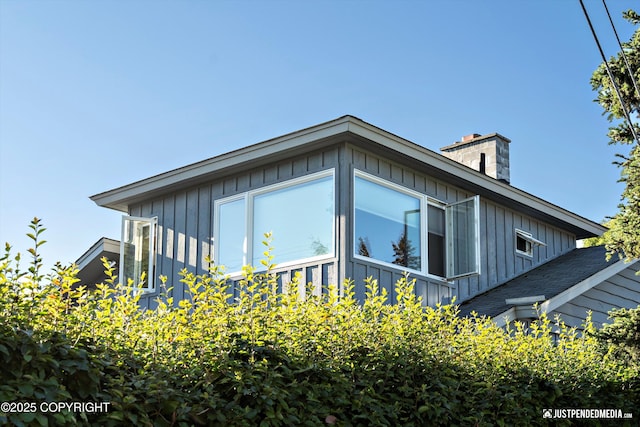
{"points": [[436, 241], [301, 218], [387, 224], [231, 235], [462, 238], [137, 250]]}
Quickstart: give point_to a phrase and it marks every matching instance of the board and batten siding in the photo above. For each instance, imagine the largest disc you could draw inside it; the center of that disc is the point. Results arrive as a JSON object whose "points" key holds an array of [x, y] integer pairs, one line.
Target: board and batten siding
{"points": [[620, 290], [499, 260], [186, 223], [186, 218]]}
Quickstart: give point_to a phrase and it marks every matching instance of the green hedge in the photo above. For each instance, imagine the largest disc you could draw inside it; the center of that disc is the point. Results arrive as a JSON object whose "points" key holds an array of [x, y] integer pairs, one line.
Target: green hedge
{"points": [[278, 359]]}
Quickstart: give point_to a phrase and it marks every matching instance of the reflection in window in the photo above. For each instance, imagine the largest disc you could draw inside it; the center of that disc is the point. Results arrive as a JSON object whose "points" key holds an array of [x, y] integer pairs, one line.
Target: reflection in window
{"points": [[387, 224], [299, 216], [436, 240], [137, 252], [463, 229], [231, 235]]}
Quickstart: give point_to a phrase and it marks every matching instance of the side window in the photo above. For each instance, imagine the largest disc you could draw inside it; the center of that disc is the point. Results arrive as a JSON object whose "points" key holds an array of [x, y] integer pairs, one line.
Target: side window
{"points": [[232, 240], [463, 238], [299, 213], [138, 252]]}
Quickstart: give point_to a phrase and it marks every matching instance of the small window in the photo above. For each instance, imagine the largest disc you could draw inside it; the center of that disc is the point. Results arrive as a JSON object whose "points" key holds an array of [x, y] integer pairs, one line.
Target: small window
{"points": [[138, 252], [525, 243]]}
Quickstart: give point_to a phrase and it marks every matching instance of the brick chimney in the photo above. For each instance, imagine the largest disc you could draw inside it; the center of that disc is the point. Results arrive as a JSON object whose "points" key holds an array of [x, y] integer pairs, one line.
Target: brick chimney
{"points": [[488, 154]]}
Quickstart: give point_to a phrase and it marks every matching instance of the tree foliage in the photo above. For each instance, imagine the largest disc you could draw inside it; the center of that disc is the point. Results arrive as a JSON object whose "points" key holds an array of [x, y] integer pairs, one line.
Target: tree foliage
{"points": [[622, 336], [277, 355], [623, 237]]}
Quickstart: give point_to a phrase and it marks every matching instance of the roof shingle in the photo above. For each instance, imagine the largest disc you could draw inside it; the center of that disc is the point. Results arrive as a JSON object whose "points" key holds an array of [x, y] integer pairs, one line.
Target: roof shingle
{"points": [[549, 279]]}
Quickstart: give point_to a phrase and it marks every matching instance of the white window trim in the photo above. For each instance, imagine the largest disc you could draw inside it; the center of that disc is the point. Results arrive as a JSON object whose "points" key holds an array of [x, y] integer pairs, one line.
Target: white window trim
{"points": [[216, 226], [476, 225], [153, 236], [529, 238], [248, 223], [425, 201], [395, 187]]}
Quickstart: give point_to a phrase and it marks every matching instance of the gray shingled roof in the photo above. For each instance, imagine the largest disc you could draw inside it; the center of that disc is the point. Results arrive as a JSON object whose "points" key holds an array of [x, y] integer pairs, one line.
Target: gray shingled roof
{"points": [[549, 280]]}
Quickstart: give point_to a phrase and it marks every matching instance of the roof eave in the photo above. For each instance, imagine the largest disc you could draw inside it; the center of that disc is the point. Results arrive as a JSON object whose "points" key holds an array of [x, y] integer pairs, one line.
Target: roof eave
{"points": [[553, 303], [120, 198]]}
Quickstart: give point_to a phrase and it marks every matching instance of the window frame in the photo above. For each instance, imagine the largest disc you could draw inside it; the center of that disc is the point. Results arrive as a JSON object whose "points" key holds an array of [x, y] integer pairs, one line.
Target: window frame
{"points": [[425, 202], [216, 228], [395, 187], [530, 241], [449, 236], [152, 222], [249, 197]]}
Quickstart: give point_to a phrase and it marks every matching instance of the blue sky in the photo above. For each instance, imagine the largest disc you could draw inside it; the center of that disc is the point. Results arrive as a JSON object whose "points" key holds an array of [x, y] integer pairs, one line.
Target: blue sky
{"points": [[95, 95]]}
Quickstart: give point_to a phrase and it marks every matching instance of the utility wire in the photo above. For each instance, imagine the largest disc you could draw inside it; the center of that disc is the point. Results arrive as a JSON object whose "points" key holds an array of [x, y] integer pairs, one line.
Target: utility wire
{"points": [[624, 55], [613, 82]]}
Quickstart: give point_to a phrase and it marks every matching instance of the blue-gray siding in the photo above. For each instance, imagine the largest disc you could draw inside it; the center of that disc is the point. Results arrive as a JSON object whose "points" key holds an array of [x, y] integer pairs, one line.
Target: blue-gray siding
{"points": [[185, 220], [621, 291], [499, 261]]}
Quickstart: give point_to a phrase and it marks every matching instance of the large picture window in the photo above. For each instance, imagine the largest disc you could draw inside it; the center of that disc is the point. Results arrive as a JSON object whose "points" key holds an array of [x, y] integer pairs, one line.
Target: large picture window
{"points": [[387, 224], [299, 213], [138, 252], [396, 226]]}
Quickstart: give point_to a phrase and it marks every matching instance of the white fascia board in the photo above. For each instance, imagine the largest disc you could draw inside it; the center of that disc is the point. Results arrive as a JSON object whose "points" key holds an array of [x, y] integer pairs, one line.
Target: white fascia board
{"points": [[564, 297], [119, 198], [582, 287], [103, 245], [505, 317], [525, 300], [467, 174]]}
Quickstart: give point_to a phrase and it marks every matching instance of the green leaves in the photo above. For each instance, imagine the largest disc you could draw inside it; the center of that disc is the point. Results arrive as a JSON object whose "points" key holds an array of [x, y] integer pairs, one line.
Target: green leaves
{"points": [[275, 354]]}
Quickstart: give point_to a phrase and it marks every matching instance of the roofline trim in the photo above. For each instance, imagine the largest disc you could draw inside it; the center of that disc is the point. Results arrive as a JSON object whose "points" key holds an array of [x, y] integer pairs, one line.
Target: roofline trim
{"points": [[452, 167], [118, 198], [115, 199], [105, 244], [567, 295], [582, 287]]}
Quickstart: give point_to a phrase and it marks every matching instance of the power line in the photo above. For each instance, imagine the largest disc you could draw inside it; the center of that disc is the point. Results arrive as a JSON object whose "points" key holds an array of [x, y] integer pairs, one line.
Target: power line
{"points": [[624, 55], [613, 82]]}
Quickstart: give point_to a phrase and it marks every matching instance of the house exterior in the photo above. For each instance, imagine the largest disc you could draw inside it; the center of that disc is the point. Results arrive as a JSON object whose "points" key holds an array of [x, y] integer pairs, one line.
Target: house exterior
{"points": [[90, 267], [346, 200]]}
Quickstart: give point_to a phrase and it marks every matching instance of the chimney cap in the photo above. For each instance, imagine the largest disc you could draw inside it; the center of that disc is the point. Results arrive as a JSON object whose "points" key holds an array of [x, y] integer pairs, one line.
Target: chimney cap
{"points": [[469, 137], [474, 137]]}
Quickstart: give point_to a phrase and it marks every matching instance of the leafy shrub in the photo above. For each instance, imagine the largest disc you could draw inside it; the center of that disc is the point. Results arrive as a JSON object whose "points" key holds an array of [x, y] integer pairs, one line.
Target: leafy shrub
{"points": [[273, 359]]}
